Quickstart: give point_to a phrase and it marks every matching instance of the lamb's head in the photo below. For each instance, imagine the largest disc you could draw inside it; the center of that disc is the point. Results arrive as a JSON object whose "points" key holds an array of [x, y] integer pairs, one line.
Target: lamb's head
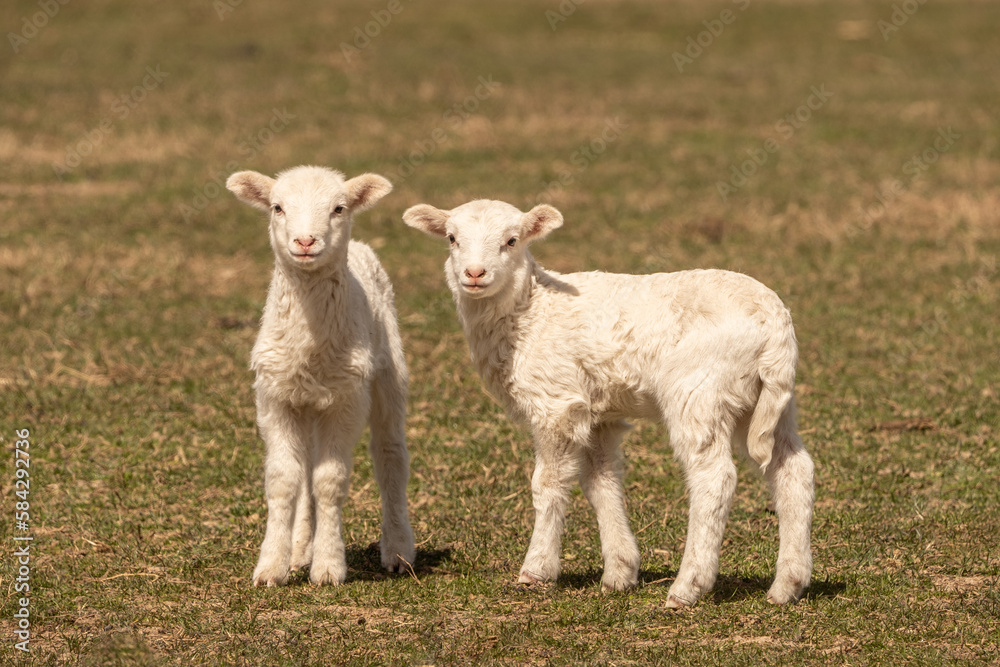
{"points": [[311, 210], [489, 241]]}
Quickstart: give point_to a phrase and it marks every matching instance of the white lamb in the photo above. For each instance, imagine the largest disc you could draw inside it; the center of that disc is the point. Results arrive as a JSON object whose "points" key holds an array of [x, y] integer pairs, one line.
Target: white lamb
{"points": [[328, 360], [710, 353]]}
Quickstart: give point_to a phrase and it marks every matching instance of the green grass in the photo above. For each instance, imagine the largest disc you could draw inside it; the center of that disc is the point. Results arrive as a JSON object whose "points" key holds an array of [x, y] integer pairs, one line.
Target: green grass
{"points": [[132, 286]]}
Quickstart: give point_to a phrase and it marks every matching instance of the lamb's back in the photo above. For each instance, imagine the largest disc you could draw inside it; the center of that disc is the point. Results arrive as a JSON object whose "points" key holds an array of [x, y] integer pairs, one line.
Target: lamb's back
{"points": [[614, 337]]}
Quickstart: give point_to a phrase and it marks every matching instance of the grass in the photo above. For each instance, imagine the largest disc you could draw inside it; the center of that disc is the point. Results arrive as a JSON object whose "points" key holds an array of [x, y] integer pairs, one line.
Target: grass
{"points": [[132, 286]]}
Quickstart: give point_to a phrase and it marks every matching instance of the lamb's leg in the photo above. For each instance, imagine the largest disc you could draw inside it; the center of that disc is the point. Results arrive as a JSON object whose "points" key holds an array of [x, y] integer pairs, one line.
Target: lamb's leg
{"points": [[286, 438], [790, 476], [711, 482], [556, 468], [601, 478], [331, 480], [302, 532], [392, 468]]}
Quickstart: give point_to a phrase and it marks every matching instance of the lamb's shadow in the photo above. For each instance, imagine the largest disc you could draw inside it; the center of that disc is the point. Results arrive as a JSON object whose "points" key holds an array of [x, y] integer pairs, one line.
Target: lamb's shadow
{"points": [[734, 589], [592, 577], [726, 589], [365, 563]]}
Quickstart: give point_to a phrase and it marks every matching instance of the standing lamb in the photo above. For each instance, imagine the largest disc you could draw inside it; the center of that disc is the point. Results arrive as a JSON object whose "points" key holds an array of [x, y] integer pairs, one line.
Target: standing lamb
{"points": [[328, 359], [710, 353]]}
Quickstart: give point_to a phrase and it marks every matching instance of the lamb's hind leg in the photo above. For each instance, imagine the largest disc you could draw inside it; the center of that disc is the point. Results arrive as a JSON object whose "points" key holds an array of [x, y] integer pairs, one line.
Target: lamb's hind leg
{"points": [[711, 482], [556, 469], [302, 532], [391, 461], [601, 478], [790, 476]]}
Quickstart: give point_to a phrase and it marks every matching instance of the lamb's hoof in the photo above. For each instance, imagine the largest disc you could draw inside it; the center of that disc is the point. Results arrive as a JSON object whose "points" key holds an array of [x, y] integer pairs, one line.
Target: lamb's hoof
{"points": [[612, 584], [530, 579], [773, 598], [674, 602], [397, 565], [301, 561], [269, 583], [787, 592], [270, 576], [398, 556], [330, 574]]}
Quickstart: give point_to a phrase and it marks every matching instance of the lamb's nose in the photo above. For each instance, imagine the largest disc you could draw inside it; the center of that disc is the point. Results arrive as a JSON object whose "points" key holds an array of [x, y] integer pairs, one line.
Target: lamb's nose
{"points": [[306, 242], [475, 271]]}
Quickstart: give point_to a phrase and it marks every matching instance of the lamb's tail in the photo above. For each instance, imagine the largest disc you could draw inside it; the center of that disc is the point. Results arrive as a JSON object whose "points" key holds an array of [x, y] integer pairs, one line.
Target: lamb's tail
{"points": [[776, 368]]}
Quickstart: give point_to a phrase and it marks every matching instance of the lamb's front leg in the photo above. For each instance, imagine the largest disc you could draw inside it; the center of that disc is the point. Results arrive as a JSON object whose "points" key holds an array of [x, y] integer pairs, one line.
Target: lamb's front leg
{"points": [[285, 470], [331, 479], [556, 469], [601, 478]]}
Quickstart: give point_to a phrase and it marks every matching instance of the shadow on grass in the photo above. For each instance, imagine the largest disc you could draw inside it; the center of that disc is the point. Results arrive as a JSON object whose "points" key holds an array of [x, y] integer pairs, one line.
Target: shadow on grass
{"points": [[365, 563], [592, 577], [825, 589], [726, 589]]}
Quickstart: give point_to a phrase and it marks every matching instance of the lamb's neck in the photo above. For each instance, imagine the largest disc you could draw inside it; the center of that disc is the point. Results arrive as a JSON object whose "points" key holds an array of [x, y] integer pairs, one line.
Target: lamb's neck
{"points": [[491, 327], [319, 297]]}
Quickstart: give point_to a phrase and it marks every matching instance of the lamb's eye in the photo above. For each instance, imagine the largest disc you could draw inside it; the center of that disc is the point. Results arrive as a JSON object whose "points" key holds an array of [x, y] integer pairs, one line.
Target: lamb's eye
{"points": [[338, 210], [451, 239], [512, 242], [277, 208]]}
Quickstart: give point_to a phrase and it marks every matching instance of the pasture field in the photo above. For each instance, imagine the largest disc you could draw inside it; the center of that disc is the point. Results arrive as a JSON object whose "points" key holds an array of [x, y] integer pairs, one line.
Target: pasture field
{"points": [[844, 153]]}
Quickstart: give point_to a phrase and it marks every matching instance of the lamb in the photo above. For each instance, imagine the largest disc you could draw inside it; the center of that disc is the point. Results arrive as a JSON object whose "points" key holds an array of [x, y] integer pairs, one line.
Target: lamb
{"points": [[328, 359], [710, 353]]}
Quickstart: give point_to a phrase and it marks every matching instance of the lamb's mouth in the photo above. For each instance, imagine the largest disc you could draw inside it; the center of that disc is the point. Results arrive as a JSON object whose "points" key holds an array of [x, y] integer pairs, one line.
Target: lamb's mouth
{"points": [[475, 288], [304, 256]]}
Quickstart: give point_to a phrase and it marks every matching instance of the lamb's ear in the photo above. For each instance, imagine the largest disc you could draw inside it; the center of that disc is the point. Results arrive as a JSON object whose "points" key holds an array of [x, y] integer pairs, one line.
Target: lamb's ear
{"points": [[427, 219], [252, 188], [539, 221], [365, 190]]}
